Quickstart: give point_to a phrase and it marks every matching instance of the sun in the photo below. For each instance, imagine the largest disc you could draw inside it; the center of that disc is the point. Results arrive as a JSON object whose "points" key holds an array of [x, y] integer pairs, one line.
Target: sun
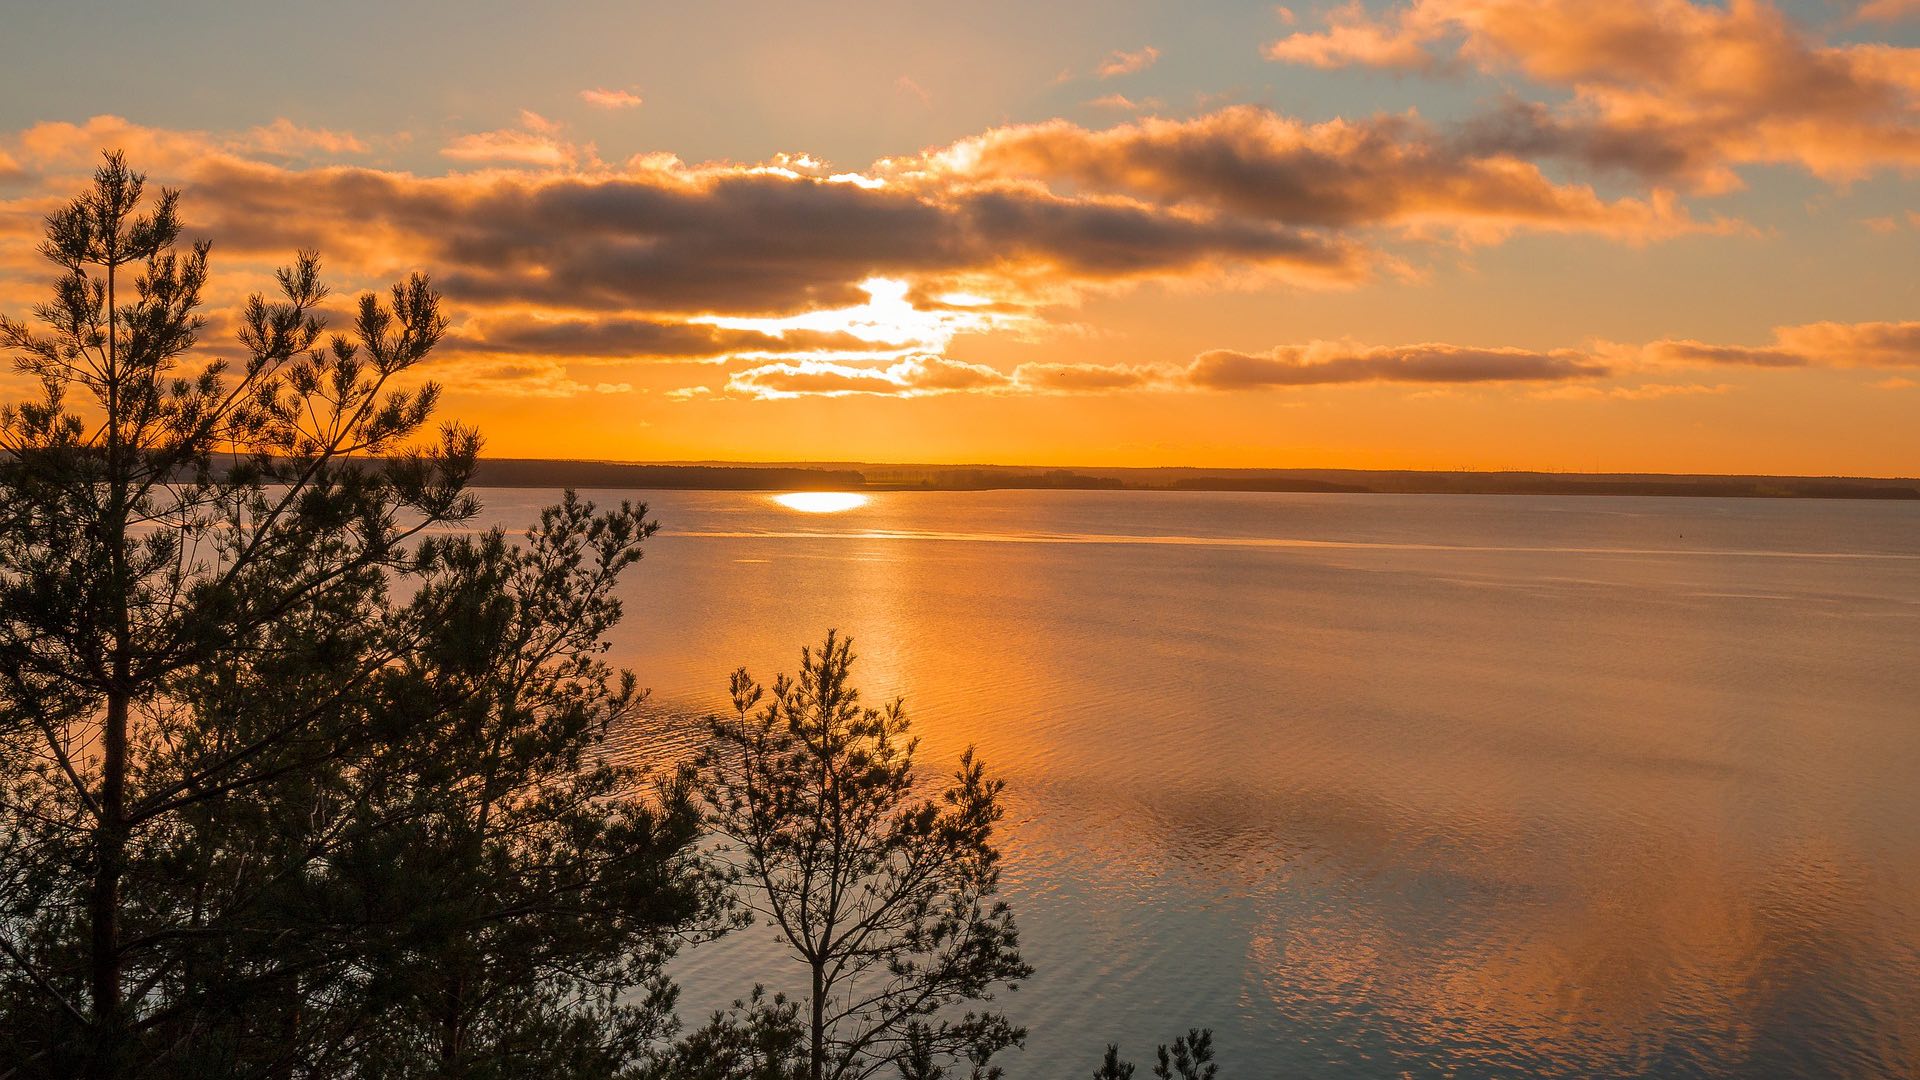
{"points": [[821, 502]]}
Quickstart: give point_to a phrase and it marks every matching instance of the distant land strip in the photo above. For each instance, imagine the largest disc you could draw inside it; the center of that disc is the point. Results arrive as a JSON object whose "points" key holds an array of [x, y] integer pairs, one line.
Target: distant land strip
{"points": [[858, 476]]}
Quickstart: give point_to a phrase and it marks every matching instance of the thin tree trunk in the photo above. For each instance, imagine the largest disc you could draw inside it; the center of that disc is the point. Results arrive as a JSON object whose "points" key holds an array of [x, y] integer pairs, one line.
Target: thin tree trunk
{"points": [[110, 839], [104, 902], [819, 1062]]}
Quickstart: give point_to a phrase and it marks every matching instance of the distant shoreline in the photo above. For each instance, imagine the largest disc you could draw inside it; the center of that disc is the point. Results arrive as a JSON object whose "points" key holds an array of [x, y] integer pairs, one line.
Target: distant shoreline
{"points": [[861, 476]]}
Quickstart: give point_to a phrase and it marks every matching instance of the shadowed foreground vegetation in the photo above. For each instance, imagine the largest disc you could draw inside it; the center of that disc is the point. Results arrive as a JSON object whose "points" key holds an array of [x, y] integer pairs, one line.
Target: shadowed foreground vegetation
{"points": [[303, 776]]}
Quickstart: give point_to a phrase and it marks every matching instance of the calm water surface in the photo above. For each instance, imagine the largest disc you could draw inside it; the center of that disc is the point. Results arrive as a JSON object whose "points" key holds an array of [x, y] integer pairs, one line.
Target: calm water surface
{"points": [[1376, 785]]}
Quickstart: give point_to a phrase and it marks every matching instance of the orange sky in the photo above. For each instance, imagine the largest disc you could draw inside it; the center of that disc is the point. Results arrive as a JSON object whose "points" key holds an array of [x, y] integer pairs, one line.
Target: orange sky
{"points": [[1648, 235]]}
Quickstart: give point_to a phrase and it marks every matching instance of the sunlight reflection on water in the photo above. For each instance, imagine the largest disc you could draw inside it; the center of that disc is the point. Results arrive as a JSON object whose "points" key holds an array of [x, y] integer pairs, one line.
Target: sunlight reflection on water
{"points": [[1373, 785], [821, 502]]}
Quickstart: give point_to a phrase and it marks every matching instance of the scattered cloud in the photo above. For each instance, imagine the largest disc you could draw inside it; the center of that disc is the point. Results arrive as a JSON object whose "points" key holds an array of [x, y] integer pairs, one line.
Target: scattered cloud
{"points": [[739, 239], [1089, 378], [1886, 10], [1255, 164], [1120, 62], [914, 376], [1665, 88], [1126, 104], [537, 142], [908, 86], [530, 379], [1870, 344], [1323, 362], [601, 98], [799, 279], [1823, 344], [284, 138], [1557, 374]]}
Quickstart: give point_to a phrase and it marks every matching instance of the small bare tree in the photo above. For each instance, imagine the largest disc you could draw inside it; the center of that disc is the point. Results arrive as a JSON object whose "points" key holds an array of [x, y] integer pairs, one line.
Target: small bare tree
{"points": [[885, 895]]}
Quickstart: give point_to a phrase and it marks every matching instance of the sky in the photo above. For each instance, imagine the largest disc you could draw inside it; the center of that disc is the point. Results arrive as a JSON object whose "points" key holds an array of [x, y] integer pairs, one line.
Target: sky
{"points": [[1644, 235]]}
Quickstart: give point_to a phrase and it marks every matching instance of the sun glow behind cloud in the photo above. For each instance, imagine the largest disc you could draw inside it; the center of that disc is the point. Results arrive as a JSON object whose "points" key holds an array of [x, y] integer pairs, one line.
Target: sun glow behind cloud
{"points": [[889, 319]]}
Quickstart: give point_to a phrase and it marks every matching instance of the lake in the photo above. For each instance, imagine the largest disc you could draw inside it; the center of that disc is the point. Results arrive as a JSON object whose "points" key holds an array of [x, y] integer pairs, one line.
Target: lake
{"points": [[1373, 785]]}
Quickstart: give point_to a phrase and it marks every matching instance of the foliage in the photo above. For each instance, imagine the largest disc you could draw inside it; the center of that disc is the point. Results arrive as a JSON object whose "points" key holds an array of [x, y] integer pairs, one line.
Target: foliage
{"points": [[886, 897], [758, 1038], [523, 891], [1190, 1058], [291, 784]]}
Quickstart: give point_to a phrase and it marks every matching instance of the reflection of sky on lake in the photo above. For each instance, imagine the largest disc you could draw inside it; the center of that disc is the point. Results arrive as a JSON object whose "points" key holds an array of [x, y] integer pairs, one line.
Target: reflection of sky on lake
{"points": [[1378, 785]]}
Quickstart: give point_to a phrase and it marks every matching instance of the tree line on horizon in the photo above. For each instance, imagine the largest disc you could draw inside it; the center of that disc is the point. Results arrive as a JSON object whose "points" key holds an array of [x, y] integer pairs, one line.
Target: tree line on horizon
{"points": [[304, 775]]}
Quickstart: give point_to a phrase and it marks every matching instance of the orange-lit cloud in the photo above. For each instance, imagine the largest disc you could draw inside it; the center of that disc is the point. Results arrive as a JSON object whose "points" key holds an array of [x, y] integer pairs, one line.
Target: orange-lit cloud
{"points": [[1125, 103], [799, 280], [629, 337], [1120, 62], [912, 377], [1886, 10], [1354, 36], [1662, 87], [601, 98], [1574, 374], [537, 142], [729, 239], [919, 92], [1253, 163], [1824, 344], [1324, 363]]}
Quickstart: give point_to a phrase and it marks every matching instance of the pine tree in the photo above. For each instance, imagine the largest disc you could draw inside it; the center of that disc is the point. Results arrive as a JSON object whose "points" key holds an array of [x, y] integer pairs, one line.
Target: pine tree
{"points": [[886, 897], [525, 891], [161, 517], [292, 783]]}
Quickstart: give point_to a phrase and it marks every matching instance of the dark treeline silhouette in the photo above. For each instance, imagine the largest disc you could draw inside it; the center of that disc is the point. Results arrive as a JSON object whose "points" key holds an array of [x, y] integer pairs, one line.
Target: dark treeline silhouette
{"points": [[527, 472], [301, 775]]}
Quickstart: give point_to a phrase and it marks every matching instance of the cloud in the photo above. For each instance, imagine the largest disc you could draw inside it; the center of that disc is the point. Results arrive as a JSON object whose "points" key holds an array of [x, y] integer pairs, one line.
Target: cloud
{"points": [[1125, 103], [907, 85], [1354, 36], [1695, 352], [284, 138], [57, 147], [1556, 374], [513, 147], [617, 337], [537, 142], [915, 376], [733, 239], [1871, 344], [1088, 378], [1668, 88], [601, 98], [1120, 62], [1886, 10], [927, 375], [1253, 163], [820, 280], [532, 379], [1022, 217], [1822, 344], [1322, 363]]}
